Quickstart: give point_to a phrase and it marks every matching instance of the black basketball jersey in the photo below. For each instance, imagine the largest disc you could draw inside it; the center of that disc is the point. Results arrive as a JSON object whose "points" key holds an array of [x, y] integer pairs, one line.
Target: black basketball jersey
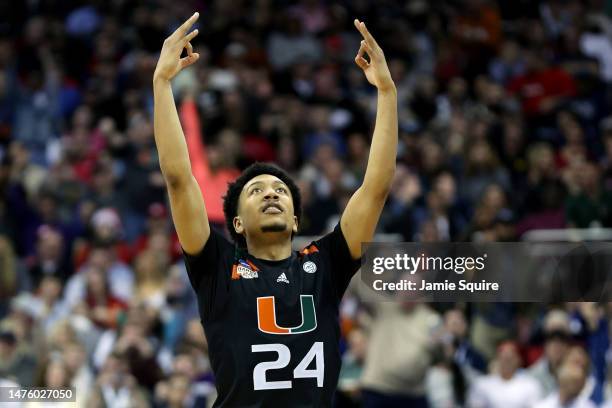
{"points": [[272, 326]]}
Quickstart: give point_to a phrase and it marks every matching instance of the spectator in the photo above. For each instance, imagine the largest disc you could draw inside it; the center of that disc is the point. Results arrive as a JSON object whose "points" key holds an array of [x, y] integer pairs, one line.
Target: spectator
{"points": [[82, 378], [482, 169], [116, 387], [49, 302], [120, 278], [158, 224], [174, 392], [348, 393], [394, 371], [49, 259], [471, 362], [457, 364], [149, 268], [551, 85], [9, 274], [506, 386], [587, 205], [508, 64], [16, 362], [557, 337], [290, 43], [100, 306], [571, 381], [207, 169], [197, 374], [591, 327]]}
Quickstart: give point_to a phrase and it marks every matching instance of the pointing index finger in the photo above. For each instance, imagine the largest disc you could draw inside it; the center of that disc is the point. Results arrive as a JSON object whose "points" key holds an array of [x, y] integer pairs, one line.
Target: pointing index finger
{"points": [[188, 23], [360, 25]]}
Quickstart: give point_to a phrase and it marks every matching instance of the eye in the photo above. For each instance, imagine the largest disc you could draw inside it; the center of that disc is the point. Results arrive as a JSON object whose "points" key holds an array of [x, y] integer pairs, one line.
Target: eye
{"points": [[281, 190], [256, 190]]}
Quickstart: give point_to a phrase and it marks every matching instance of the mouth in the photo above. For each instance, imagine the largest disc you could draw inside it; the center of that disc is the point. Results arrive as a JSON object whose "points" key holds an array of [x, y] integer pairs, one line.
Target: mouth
{"points": [[272, 209]]}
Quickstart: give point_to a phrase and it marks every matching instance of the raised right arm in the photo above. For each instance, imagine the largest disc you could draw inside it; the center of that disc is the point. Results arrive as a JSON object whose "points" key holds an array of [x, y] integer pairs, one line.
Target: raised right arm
{"points": [[186, 202]]}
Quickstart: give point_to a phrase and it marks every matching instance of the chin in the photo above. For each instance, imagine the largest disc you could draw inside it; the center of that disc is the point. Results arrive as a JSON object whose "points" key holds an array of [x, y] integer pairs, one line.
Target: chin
{"points": [[274, 227]]}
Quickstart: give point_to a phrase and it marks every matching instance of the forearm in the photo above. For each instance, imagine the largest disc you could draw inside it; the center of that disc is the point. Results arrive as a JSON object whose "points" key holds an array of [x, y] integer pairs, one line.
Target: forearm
{"points": [[169, 138], [383, 150]]}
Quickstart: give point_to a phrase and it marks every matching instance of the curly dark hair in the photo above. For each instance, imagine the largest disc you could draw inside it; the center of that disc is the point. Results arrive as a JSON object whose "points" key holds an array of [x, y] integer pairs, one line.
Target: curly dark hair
{"points": [[230, 200]]}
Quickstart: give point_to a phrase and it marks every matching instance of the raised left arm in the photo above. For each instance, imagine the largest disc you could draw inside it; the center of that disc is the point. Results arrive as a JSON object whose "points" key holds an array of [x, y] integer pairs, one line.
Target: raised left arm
{"points": [[363, 210]]}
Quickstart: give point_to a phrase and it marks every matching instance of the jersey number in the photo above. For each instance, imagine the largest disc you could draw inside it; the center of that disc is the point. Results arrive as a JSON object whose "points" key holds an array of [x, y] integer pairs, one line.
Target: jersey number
{"points": [[284, 356]]}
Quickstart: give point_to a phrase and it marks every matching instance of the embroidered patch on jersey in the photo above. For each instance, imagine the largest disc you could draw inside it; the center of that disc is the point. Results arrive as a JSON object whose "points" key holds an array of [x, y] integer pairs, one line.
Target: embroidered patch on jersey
{"points": [[309, 267], [244, 269], [282, 278]]}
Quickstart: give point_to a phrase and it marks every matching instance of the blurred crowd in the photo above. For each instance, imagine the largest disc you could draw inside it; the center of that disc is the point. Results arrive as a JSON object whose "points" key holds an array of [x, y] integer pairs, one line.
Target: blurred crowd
{"points": [[504, 129]]}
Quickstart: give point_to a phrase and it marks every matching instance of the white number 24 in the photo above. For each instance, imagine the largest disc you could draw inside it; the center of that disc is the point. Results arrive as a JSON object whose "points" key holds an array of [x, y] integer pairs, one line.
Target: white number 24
{"points": [[284, 356]]}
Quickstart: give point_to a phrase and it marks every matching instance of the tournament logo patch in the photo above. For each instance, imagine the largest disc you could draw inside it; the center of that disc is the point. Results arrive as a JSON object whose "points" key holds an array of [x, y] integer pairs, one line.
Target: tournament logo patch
{"points": [[244, 269]]}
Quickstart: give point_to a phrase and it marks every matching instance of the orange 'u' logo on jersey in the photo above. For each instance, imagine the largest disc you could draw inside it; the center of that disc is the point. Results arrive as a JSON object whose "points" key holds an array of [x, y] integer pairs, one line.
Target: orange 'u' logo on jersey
{"points": [[266, 316]]}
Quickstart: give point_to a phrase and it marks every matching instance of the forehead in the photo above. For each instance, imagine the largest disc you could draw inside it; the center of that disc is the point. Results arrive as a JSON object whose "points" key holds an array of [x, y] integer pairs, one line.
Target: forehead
{"points": [[265, 179]]}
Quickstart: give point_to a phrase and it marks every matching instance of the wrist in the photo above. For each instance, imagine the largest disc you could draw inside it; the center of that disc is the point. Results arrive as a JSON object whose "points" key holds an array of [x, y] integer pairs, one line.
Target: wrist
{"points": [[388, 89], [159, 80]]}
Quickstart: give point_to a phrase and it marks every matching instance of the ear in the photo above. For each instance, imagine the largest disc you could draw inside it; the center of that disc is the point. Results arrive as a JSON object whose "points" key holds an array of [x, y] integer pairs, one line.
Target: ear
{"points": [[295, 224], [238, 227]]}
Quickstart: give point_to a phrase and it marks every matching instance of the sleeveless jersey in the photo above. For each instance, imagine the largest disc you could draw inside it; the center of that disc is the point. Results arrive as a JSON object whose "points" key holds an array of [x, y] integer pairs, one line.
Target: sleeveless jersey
{"points": [[272, 326]]}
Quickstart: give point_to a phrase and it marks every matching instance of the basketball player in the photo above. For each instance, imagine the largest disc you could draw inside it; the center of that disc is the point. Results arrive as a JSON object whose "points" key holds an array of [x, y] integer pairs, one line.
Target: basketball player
{"points": [[271, 314]]}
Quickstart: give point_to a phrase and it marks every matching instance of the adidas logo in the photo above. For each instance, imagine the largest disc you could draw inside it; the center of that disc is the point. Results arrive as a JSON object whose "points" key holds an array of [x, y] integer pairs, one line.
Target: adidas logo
{"points": [[282, 278]]}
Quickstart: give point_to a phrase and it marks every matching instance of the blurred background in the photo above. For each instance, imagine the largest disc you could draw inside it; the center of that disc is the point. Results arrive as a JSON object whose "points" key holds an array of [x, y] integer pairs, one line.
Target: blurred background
{"points": [[504, 136]]}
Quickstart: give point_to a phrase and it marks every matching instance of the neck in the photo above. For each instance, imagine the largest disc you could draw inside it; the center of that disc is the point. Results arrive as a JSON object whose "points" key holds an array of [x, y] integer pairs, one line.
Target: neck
{"points": [[270, 250], [565, 398]]}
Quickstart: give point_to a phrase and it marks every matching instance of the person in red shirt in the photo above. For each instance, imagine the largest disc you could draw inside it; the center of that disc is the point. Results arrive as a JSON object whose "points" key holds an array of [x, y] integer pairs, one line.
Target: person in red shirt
{"points": [[543, 88], [102, 308], [212, 179]]}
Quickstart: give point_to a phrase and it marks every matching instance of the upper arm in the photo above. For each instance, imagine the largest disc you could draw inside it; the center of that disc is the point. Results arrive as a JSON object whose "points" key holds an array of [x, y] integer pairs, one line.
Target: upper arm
{"points": [[189, 214], [360, 218]]}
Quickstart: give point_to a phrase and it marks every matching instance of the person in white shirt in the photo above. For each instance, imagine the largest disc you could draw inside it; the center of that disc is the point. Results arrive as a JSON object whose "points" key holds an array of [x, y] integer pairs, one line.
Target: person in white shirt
{"points": [[506, 387], [571, 379]]}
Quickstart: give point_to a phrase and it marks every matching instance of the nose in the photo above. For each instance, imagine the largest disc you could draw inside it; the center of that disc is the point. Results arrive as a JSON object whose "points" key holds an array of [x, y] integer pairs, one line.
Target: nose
{"points": [[271, 194]]}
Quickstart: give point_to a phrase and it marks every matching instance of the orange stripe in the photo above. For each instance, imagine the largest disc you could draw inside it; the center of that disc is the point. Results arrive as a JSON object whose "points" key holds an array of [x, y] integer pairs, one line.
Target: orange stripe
{"points": [[309, 250], [235, 275]]}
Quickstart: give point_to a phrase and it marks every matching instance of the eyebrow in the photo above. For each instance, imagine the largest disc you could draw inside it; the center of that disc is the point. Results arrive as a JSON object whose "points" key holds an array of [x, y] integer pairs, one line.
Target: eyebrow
{"points": [[252, 184], [248, 186]]}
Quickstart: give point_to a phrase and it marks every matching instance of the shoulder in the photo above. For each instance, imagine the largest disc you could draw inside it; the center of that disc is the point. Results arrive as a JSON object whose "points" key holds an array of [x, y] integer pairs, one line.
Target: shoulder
{"points": [[548, 402], [216, 242], [528, 382], [486, 383], [334, 242]]}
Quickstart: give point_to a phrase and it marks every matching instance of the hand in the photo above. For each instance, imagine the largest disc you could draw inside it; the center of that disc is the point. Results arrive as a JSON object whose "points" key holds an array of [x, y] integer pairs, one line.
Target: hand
{"points": [[170, 62], [376, 71], [591, 314]]}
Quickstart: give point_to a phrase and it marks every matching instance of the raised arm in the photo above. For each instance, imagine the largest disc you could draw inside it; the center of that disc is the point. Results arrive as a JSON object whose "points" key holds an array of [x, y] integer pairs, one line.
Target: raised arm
{"points": [[363, 210], [186, 202]]}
